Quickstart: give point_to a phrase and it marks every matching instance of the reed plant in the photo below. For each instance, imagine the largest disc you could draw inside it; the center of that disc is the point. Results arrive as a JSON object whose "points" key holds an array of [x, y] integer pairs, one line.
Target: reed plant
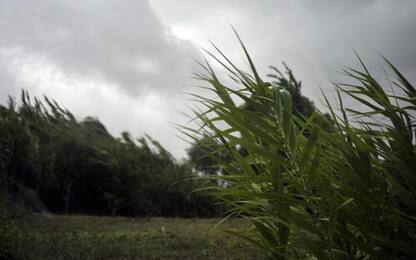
{"points": [[313, 187]]}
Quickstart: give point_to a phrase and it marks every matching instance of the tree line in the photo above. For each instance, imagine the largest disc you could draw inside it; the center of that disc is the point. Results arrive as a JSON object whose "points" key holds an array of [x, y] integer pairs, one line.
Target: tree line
{"points": [[50, 160]]}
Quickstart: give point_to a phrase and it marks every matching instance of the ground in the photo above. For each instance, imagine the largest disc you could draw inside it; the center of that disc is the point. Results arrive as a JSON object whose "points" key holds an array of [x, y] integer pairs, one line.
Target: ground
{"points": [[90, 237]]}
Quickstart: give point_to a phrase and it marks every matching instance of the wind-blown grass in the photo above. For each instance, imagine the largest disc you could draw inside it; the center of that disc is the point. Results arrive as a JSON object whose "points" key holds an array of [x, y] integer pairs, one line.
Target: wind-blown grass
{"points": [[313, 191]]}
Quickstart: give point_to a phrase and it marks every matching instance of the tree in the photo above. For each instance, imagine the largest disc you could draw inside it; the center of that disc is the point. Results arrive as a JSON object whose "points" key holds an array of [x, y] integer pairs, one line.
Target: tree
{"points": [[79, 167], [204, 153], [201, 156]]}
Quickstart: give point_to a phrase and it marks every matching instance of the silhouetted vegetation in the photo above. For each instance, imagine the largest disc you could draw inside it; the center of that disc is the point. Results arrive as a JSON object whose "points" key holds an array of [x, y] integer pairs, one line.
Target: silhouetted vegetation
{"points": [[50, 161]]}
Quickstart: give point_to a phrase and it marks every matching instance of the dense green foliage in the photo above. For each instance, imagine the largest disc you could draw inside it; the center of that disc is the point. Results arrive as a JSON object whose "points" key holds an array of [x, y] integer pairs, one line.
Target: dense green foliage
{"points": [[313, 185], [51, 161]]}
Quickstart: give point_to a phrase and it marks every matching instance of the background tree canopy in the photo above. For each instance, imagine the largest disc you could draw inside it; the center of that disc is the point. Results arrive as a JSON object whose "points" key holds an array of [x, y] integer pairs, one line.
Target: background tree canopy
{"points": [[205, 154], [51, 161]]}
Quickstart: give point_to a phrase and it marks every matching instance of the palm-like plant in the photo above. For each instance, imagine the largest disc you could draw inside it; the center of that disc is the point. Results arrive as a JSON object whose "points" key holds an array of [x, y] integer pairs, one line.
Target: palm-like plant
{"points": [[309, 190]]}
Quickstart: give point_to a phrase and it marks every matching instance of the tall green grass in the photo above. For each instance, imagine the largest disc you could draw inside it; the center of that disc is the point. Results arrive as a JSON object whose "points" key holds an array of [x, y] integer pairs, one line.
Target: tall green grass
{"points": [[343, 188]]}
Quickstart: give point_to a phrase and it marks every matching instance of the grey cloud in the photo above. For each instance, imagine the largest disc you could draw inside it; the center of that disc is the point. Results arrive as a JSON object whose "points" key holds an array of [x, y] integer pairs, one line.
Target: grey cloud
{"points": [[10, 85], [313, 37], [122, 42]]}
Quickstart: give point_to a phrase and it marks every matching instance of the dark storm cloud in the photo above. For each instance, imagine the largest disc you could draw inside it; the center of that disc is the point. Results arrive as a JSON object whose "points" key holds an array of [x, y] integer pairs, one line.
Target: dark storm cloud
{"points": [[315, 38], [121, 42], [324, 33]]}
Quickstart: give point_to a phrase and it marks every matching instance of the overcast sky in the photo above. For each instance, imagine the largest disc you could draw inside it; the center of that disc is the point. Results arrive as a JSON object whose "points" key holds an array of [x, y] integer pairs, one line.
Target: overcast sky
{"points": [[128, 62]]}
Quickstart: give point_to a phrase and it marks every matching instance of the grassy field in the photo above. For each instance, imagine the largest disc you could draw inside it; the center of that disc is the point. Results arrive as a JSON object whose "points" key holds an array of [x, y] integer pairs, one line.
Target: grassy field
{"points": [[87, 237]]}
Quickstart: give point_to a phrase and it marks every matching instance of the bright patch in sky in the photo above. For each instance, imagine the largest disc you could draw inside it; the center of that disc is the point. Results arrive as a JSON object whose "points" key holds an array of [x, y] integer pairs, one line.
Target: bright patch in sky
{"points": [[184, 32]]}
